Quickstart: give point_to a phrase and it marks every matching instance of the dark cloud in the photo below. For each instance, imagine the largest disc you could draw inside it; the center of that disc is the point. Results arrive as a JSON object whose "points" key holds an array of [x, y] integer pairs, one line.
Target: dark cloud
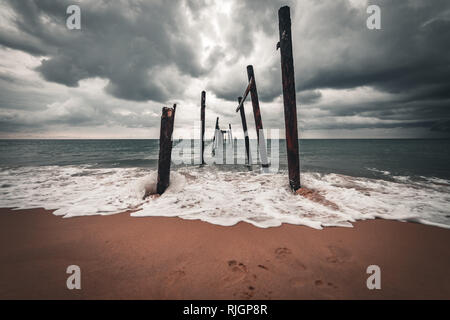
{"points": [[309, 97], [411, 50], [409, 58], [90, 114], [126, 42], [441, 126], [12, 96], [330, 125], [152, 50], [22, 42]]}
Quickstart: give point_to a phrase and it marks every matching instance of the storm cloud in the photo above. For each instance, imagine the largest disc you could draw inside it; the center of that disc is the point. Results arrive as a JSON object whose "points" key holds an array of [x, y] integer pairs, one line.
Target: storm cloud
{"points": [[132, 57], [132, 44]]}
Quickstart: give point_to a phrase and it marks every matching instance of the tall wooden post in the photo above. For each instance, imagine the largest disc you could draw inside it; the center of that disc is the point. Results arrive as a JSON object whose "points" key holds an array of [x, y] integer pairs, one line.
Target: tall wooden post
{"points": [[290, 106], [257, 115], [173, 118], [229, 147], [244, 127], [215, 141], [165, 149], [202, 133]]}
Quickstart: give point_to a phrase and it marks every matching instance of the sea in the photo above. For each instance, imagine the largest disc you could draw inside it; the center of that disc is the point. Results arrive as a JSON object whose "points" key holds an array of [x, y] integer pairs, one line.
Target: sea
{"points": [[405, 180]]}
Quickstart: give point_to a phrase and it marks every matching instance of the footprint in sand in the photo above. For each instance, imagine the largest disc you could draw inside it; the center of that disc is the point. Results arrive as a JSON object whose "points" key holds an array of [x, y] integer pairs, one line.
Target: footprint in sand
{"points": [[243, 280], [240, 276], [238, 272], [268, 295], [320, 283], [247, 293], [284, 253], [281, 253], [263, 267], [237, 266], [338, 255], [331, 285]]}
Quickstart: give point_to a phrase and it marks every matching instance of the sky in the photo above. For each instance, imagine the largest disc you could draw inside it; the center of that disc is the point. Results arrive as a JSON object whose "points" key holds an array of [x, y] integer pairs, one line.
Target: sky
{"points": [[111, 78]]}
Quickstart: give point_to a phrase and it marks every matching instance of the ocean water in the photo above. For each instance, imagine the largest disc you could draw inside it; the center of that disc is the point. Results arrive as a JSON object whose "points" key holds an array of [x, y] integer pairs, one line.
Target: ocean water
{"points": [[407, 180]]}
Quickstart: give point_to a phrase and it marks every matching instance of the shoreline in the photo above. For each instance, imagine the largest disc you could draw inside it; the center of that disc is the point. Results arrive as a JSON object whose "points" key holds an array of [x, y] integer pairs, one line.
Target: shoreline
{"points": [[124, 257]]}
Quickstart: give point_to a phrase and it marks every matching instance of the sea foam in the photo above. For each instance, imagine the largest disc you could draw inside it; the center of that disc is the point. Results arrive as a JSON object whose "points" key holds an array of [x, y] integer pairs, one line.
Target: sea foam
{"points": [[226, 197]]}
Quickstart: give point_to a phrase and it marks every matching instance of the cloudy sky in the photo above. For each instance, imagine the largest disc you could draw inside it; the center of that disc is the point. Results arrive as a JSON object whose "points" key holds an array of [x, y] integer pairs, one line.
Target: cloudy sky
{"points": [[130, 58]]}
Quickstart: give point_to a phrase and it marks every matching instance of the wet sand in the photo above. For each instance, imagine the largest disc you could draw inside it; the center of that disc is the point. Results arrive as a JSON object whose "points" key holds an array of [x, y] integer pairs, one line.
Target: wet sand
{"points": [[123, 257]]}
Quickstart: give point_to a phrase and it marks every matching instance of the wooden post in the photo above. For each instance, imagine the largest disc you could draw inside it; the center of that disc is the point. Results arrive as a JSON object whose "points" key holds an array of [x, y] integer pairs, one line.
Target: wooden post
{"points": [[165, 149], [173, 118], [216, 128], [174, 109], [257, 115], [202, 119], [215, 142], [229, 147], [244, 127], [290, 106], [247, 90]]}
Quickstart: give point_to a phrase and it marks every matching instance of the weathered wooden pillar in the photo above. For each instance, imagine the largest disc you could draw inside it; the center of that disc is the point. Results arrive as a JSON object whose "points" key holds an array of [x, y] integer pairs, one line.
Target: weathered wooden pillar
{"points": [[244, 127], [290, 106], [258, 120], [229, 159], [165, 149], [173, 118], [215, 130], [202, 130], [215, 139]]}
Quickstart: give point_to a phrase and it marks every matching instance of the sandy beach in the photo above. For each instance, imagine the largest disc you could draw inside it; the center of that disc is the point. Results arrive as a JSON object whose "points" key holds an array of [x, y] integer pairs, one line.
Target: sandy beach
{"points": [[123, 257]]}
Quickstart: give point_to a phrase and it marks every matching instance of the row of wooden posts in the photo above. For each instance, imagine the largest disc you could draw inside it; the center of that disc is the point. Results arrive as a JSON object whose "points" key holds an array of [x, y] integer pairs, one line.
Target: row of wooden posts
{"points": [[290, 115]]}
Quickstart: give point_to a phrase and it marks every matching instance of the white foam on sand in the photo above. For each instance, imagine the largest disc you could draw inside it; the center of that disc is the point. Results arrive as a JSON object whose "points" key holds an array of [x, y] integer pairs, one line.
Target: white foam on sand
{"points": [[225, 197]]}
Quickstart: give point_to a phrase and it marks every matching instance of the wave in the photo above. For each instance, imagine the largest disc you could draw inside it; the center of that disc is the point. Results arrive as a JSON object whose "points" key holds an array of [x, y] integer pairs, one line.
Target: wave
{"points": [[226, 197], [384, 172]]}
